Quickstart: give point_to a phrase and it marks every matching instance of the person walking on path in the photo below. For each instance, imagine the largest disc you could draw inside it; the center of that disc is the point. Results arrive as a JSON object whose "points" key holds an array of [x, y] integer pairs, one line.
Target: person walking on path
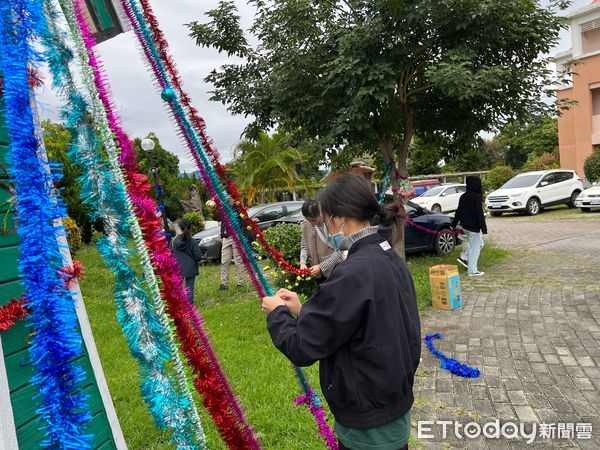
{"points": [[313, 245], [470, 216], [362, 325], [188, 255]]}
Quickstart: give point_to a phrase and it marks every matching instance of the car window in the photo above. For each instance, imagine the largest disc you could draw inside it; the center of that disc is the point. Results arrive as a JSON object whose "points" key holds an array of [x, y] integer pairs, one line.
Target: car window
{"points": [[563, 176], [461, 189], [450, 190], [434, 191], [293, 207], [550, 179], [521, 181], [269, 213], [410, 210]]}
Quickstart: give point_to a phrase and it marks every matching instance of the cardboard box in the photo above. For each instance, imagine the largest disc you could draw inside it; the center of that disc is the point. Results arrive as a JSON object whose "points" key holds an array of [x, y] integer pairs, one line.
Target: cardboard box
{"points": [[446, 292]]}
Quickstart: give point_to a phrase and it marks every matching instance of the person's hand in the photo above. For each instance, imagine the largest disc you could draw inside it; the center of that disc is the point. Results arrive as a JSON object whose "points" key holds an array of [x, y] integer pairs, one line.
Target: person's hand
{"points": [[315, 270], [484, 231], [291, 299], [303, 266], [270, 303]]}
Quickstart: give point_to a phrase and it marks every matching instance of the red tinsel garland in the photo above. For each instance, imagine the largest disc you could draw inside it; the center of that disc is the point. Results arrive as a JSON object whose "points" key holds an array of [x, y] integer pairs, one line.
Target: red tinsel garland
{"points": [[208, 378], [15, 309], [71, 273], [11, 312], [207, 143]]}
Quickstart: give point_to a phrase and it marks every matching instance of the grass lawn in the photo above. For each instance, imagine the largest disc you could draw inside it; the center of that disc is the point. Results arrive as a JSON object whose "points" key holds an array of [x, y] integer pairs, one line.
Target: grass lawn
{"points": [[258, 373]]}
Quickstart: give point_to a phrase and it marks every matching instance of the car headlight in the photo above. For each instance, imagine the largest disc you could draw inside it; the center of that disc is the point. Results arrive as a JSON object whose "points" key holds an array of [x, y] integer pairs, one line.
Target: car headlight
{"points": [[581, 196], [516, 195]]}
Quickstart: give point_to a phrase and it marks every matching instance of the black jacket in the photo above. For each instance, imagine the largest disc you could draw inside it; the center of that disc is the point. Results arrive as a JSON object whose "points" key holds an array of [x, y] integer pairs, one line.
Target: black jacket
{"points": [[188, 255], [363, 327], [470, 207]]}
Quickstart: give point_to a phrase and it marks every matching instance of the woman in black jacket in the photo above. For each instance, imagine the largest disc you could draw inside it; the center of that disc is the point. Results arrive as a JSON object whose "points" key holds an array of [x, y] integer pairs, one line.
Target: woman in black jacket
{"points": [[188, 255], [362, 325]]}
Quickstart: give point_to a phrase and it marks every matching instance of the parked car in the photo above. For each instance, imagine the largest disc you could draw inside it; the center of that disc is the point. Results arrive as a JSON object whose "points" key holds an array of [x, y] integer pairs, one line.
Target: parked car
{"points": [[530, 192], [264, 215], [441, 199], [588, 199], [416, 240]]}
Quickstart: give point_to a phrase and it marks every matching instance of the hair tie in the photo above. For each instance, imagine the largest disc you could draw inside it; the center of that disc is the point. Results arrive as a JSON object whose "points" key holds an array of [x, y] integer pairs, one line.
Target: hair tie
{"points": [[376, 219]]}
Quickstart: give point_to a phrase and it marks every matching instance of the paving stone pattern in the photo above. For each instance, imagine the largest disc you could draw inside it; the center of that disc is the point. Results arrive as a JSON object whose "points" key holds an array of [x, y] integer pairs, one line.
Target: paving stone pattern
{"points": [[532, 325]]}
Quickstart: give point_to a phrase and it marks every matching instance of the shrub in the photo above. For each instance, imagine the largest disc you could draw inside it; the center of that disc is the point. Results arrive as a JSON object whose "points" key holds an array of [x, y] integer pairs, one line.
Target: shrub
{"points": [[498, 176], [73, 234], [286, 238], [591, 167], [197, 221], [545, 161]]}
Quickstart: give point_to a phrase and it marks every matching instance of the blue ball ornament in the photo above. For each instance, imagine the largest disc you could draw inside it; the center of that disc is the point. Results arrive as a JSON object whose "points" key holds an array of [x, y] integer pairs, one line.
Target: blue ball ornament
{"points": [[168, 94]]}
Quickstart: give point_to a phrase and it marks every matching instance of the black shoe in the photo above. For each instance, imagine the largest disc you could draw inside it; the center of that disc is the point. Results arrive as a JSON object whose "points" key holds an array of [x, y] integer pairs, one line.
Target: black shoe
{"points": [[240, 286], [464, 263], [222, 287]]}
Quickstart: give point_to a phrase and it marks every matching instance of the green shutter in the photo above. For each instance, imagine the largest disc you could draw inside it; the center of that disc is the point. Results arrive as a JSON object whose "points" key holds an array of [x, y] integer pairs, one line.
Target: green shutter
{"points": [[15, 341]]}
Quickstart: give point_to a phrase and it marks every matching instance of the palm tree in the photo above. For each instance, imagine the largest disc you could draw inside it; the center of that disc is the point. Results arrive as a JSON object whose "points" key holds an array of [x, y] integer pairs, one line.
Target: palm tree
{"points": [[263, 166]]}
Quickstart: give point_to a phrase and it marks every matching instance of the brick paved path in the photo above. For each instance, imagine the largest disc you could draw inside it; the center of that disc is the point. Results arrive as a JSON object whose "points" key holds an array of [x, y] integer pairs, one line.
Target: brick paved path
{"points": [[532, 325]]}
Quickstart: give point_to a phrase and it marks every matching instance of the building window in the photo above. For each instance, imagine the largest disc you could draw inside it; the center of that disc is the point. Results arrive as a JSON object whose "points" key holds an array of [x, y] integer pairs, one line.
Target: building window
{"points": [[595, 116], [590, 36], [106, 22]]}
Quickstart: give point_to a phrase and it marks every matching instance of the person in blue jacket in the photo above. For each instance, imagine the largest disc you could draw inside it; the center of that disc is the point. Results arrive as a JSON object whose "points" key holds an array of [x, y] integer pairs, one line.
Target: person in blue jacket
{"points": [[362, 325]]}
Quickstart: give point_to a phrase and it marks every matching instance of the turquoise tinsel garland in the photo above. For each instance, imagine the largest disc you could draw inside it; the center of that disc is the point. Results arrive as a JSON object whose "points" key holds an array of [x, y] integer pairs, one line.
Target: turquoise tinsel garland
{"points": [[213, 182], [55, 341], [143, 329]]}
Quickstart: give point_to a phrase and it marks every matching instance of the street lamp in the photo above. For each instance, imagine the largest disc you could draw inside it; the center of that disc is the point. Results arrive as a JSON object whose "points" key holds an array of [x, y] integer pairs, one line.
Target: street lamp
{"points": [[148, 146]]}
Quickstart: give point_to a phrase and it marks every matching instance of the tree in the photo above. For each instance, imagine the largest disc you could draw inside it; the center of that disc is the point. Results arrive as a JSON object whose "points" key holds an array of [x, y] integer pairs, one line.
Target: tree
{"points": [[372, 73], [267, 164], [591, 167], [533, 135], [175, 186], [57, 140]]}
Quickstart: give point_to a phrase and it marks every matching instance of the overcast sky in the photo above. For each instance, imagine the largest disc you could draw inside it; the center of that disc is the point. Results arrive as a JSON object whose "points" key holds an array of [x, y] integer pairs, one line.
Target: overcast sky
{"points": [[140, 106]]}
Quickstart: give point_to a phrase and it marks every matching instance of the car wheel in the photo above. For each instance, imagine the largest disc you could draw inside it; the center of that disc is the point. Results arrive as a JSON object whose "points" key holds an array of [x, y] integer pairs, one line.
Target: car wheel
{"points": [[533, 207], [574, 196], [496, 214], [586, 210], [445, 242], [436, 208]]}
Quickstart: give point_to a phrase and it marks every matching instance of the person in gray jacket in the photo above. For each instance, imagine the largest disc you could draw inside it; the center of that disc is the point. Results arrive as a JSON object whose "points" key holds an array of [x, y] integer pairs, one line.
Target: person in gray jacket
{"points": [[188, 255]]}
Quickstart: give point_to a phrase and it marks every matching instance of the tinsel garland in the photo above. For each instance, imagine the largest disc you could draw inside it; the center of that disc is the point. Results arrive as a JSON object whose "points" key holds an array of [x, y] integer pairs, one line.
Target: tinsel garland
{"points": [[11, 312], [386, 181], [55, 340], [212, 181], [170, 69], [145, 332], [450, 364], [208, 378], [415, 225]]}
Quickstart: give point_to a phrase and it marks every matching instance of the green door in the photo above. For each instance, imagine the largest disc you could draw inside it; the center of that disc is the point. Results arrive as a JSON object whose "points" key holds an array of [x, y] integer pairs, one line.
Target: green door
{"points": [[15, 340]]}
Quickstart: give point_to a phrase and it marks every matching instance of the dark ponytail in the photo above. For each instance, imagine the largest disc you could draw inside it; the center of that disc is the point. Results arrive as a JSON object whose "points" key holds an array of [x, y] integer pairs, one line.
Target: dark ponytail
{"points": [[351, 196], [310, 209], [186, 229]]}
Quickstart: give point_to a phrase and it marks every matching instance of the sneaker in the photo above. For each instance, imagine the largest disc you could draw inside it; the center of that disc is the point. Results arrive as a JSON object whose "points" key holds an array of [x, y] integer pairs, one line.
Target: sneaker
{"points": [[462, 262], [222, 287], [240, 286], [477, 274]]}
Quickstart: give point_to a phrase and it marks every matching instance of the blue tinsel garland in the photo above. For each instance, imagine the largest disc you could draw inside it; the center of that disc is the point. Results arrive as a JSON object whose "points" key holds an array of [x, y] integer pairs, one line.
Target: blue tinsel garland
{"points": [[106, 198], [55, 341], [450, 364]]}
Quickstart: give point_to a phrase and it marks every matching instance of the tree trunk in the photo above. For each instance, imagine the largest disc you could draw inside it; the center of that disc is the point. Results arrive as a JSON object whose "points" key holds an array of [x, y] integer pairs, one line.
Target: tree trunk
{"points": [[386, 146]]}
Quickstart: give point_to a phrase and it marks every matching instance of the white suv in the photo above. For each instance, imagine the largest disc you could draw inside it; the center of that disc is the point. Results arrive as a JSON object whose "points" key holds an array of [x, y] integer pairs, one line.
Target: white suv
{"points": [[529, 192]]}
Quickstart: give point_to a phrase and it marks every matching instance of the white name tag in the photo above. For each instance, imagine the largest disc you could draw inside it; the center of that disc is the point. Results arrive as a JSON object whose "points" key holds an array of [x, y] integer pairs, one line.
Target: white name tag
{"points": [[385, 245]]}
